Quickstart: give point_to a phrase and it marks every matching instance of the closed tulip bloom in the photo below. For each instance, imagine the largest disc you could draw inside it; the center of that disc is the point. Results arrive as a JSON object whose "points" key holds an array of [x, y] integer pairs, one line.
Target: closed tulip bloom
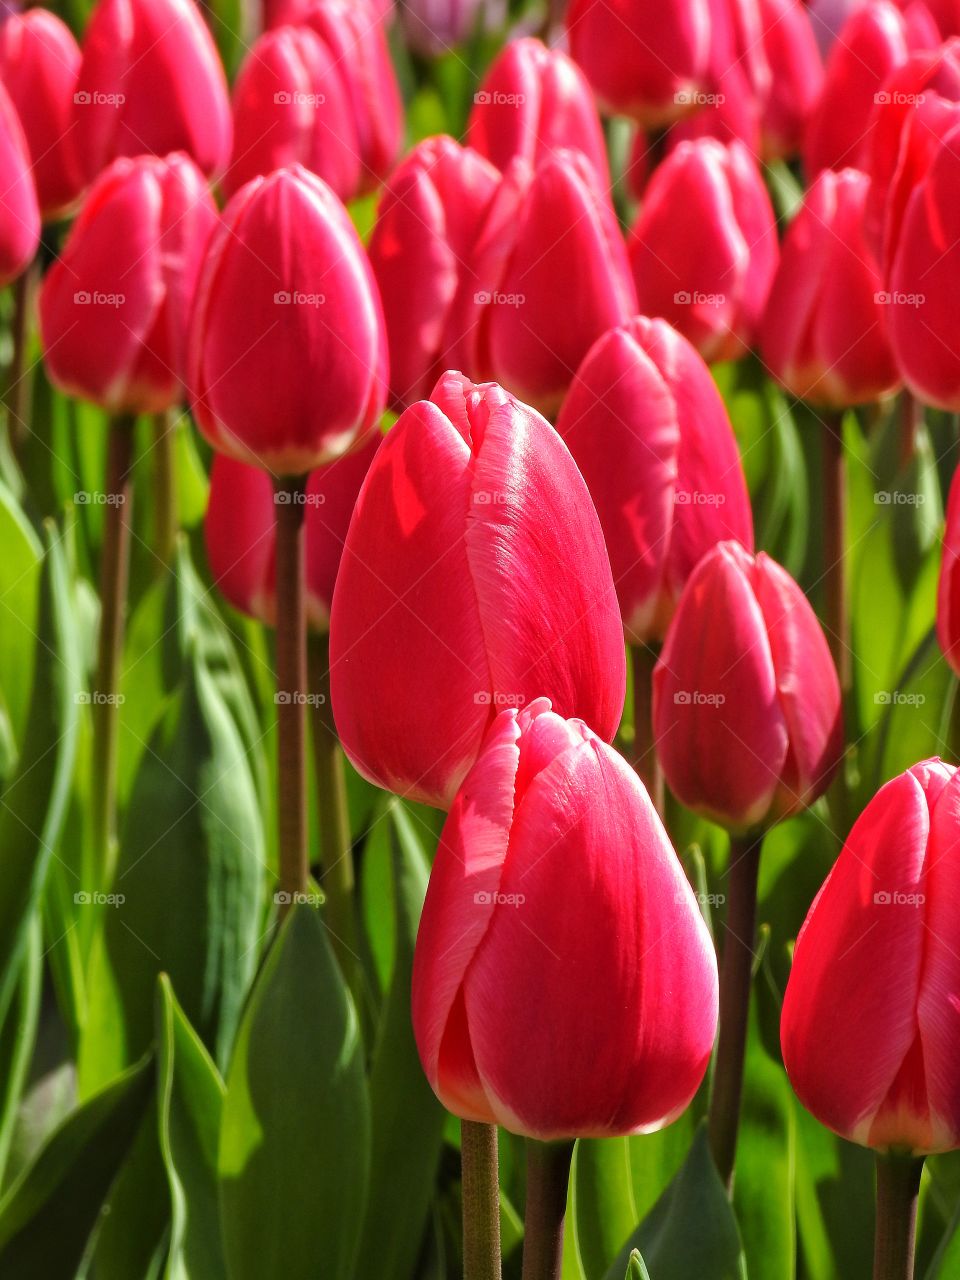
{"points": [[19, 212], [150, 81], [746, 713], [534, 101], [39, 61], [564, 982], [826, 331], [650, 434], [704, 246], [796, 76], [421, 251], [475, 565], [287, 352], [552, 224], [948, 589], [870, 1028], [240, 529], [115, 307], [645, 60]]}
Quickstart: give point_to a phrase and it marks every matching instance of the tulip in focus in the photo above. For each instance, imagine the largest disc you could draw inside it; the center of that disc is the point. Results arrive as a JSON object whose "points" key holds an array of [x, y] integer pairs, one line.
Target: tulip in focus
{"points": [[826, 331], [475, 567], [287, 348], [564, 981], [746, 712], [150, 81], [870, 1028], [650, 434], [644, 59], [534, 101], [39, 61], [241, 536], [429, 217], [19, 212], [114, 308], [704, 246]]}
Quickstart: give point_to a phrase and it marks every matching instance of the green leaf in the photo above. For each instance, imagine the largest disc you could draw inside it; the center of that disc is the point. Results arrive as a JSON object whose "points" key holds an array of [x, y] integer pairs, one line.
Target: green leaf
{"points": [[17, 1039], [296, 1120], [49, 1213], [636, 1267], [190, 1104], [605, 1210], [19, 583], [691, 1230]]}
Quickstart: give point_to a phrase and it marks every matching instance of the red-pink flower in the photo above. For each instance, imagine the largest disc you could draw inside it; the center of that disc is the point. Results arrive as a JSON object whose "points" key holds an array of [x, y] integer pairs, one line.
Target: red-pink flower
{"points": [[115, 307], [650, 433], [474, 577], [948, 588], [796, 76], [564, 981], [19, 212], [871, 1025], [746, 701], [287, 349]]}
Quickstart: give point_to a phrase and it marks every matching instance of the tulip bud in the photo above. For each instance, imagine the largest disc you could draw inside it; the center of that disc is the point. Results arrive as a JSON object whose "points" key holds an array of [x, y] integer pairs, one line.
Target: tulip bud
{"points": [[433, 26], [650, 434], [39, 61], [551, 225], [870, 1028], [474, 560], [429, 217], [747, 713], [570, 988], [287, 351], [826, 334], [534, 101], [948, 588], [19, 213], [150, 81], [114, 308], [363, 104], [644, 59], [704, 247], [240, 529], [796, 79], [873, 42]]}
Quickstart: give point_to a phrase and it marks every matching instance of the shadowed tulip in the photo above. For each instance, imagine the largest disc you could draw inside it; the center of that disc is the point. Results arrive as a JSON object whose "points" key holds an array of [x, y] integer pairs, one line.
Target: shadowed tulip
{"points": [[871, 1027], [474, 565], [564, 982], [650, 434], [746, 714]]}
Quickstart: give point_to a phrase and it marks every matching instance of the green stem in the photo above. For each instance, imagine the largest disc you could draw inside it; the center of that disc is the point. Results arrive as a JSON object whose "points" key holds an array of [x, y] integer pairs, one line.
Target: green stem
{"points": [[645, 760], [736, 967], [548, 1174], [165, 486], [481, 1201], [898, 1185], [114, 572], [834, 543], [291, 689]]}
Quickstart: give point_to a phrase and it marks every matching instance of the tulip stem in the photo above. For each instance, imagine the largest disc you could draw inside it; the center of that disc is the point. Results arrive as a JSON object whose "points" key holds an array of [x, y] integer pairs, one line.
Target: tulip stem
{"points": [[911, 420], [736, 968], [834, 477], [481, 1201], [114, 571], [898, 1185], [645, 759], [291, 688], [165, 487], [548, 1173]]}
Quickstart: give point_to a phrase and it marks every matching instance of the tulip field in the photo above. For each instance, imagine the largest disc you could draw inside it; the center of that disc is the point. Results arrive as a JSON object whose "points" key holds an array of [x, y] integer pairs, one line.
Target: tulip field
{"points": [[480, 640]]}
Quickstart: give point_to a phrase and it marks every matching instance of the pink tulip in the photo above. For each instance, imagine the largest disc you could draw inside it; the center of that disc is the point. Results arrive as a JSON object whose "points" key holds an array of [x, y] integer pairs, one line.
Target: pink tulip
{"points": [[704, 247], [534, 101], [826, 331], [288, 352], [948, 589], [150, 81], [19, 212], [644, 59], [240, 531], [39, 62], [475, 567], [545, 226], [430, 214], [114, 308], [650, 434], [796, 76], [567, 987], [871, 1027], [746, 712]]}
